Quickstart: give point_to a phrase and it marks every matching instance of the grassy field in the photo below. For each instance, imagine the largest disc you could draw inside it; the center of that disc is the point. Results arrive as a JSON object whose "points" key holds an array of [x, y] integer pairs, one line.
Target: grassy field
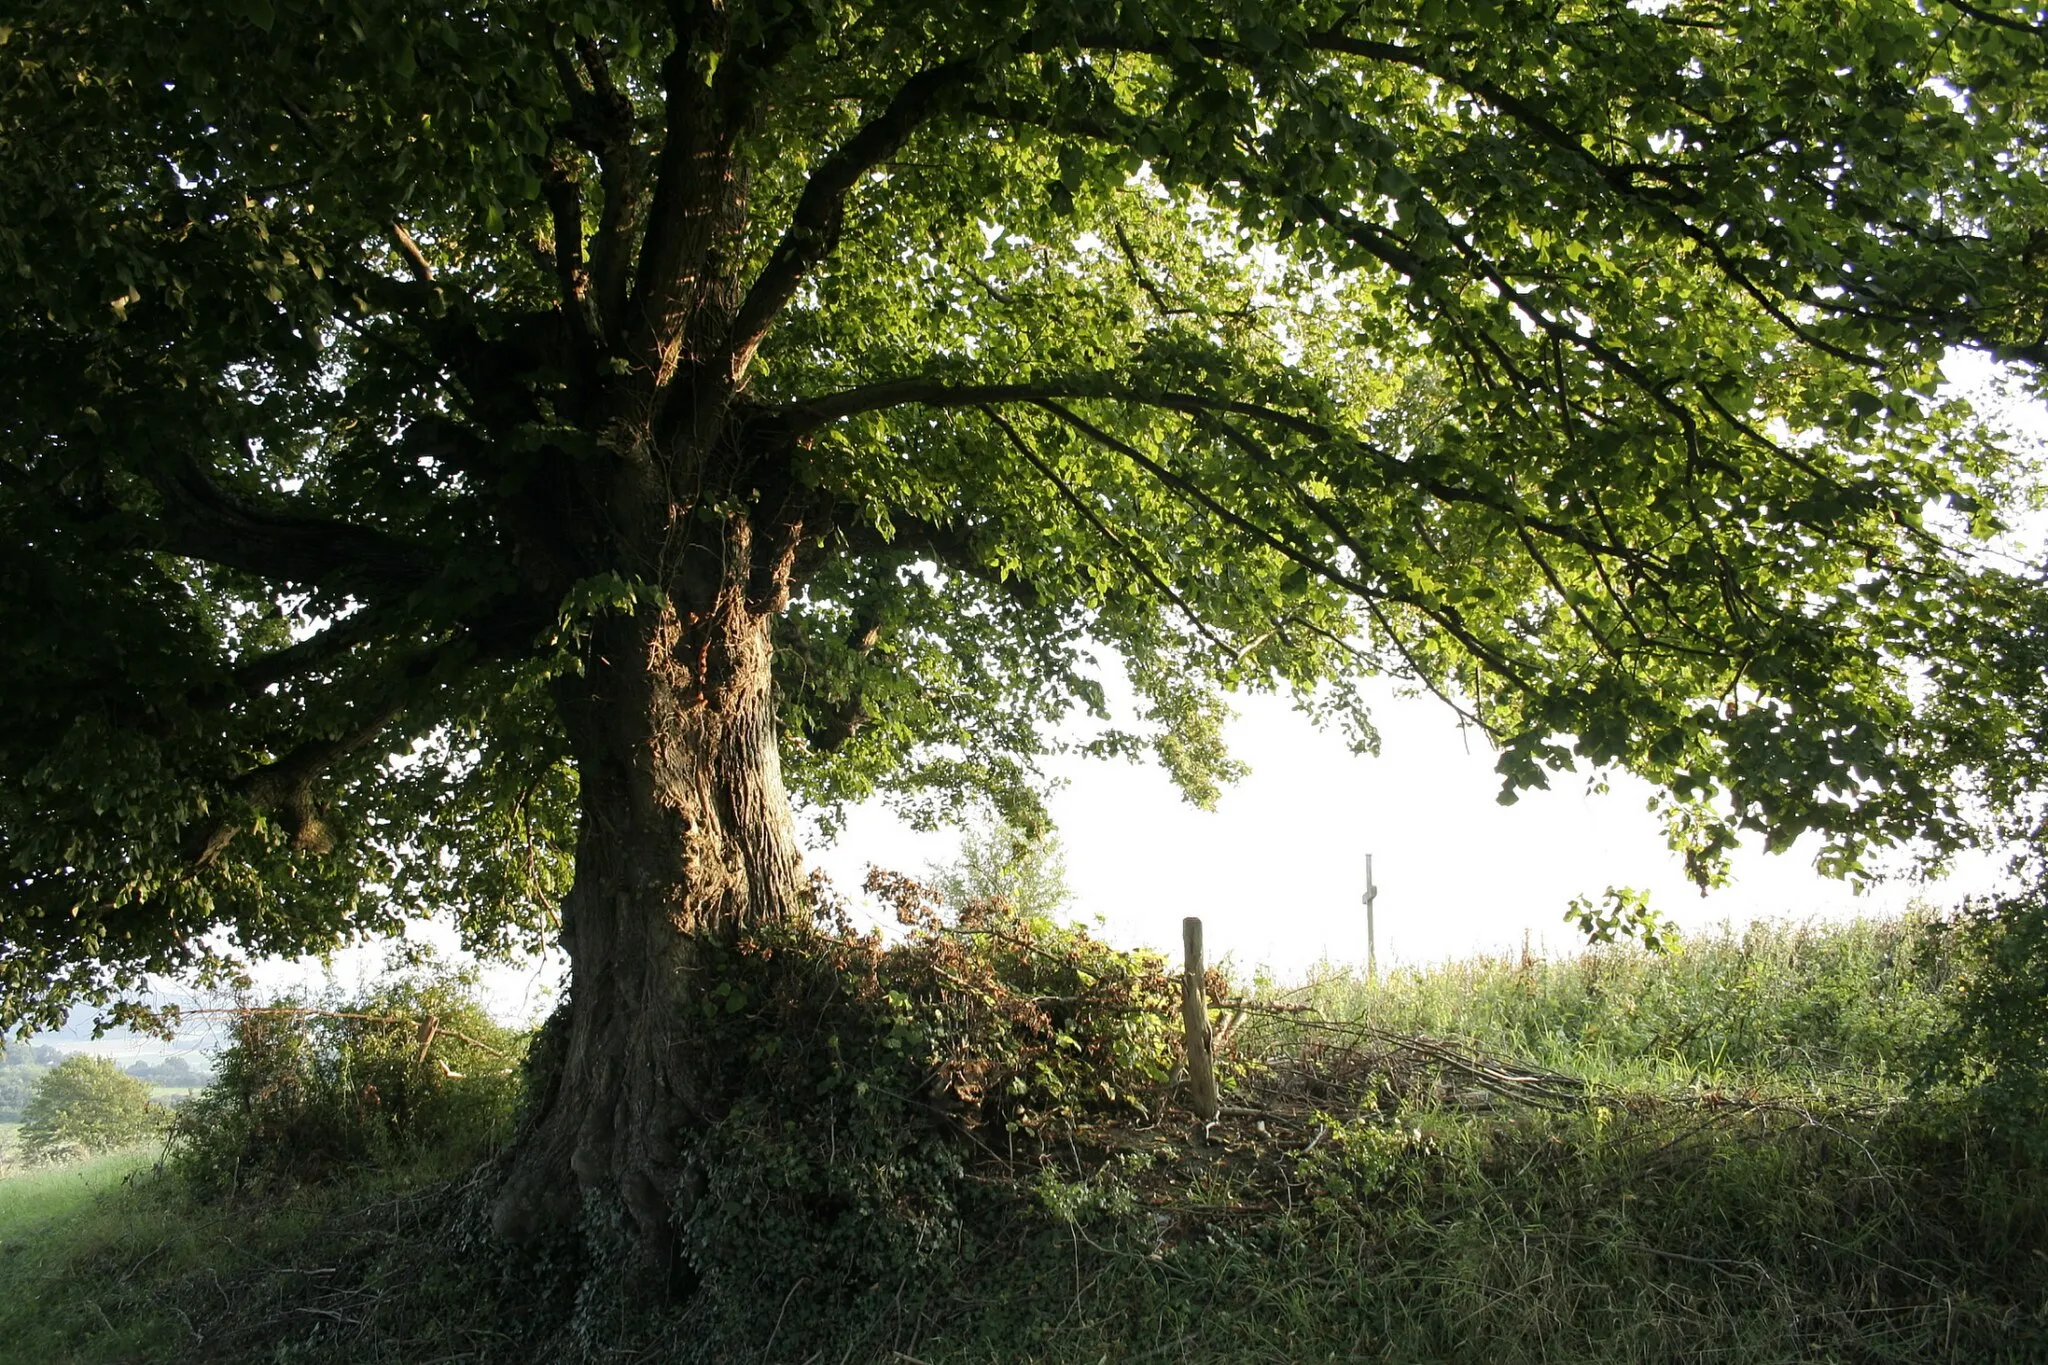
{"points": [[51, 1219], [1713, 1156]]}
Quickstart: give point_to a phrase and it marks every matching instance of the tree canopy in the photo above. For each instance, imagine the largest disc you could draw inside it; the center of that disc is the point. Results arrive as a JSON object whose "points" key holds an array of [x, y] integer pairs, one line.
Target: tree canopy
{"points": [[367, 364]]}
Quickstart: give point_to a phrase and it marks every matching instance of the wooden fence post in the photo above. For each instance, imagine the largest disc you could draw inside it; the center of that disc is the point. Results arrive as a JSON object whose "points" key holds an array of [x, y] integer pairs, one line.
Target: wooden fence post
{"points": [[1194, 1015]]}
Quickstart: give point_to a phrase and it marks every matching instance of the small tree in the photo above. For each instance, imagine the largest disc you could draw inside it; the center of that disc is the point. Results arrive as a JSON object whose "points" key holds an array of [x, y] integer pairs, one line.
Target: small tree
{"points": [[85, 1105], [999, 862]]}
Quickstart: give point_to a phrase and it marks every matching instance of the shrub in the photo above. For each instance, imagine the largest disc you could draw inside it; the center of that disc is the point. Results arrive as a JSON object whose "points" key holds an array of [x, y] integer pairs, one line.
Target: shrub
{"points": [[85, 1105], [414, 1066], [1995, 1044], [999, 862], [863, 1080]]}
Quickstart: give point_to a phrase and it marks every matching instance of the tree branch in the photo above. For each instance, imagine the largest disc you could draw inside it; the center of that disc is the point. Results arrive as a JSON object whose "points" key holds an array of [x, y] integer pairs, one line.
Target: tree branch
{"points": [[602, 121], [572, 271], [1089, 514], [1446, 616], [804, 415], [415, 259], [254, 674], [2001, 20], [820, 212], [284, 787], [1617, 179], [206, 522]]}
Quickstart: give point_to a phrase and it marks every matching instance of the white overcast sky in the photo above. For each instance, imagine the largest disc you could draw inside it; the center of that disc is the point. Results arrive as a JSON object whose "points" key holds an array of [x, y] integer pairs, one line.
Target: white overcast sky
{"points": [[1277, 869]]}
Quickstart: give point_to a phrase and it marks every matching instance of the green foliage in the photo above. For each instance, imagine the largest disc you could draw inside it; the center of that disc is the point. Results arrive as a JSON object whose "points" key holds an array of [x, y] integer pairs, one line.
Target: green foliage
{"points": [[1996, 1041], [1268, 346], [86, 1105], [1623, 916], [867, 1081], [1000, 864], [304, 1092]]}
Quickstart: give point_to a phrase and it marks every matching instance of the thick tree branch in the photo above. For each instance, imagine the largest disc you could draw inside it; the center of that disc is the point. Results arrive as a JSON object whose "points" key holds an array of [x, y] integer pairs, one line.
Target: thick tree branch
{"points": [[820, 212], [284, 787], [315, 651], [602, 122], [572, 271], [203, 521]]}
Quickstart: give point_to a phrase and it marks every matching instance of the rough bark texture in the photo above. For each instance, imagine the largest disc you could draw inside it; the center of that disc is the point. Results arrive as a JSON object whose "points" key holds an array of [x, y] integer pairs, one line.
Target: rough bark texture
{"points": [[686, 836], [686, 839]]}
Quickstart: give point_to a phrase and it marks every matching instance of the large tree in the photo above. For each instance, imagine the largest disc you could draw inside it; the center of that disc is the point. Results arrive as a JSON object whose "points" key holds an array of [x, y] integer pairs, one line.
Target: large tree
{"points": [[472, 457]]}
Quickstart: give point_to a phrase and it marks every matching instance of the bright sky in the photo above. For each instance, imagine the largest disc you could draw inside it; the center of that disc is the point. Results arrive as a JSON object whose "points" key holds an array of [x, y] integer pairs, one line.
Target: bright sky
{"points": [[1277, 870]]}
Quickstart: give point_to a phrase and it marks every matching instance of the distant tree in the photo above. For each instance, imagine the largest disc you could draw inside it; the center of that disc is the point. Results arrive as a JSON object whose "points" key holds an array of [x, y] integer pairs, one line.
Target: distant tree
{"points": [[999, 862], [176, 1071], [17, 1084], [84, 1105]]}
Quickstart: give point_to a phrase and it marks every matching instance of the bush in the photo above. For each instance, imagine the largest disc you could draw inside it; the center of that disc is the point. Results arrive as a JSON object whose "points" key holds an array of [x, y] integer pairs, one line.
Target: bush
{"points": [[1995, 1044], [413, 1067], [999, 862], [85, 1105], [863, 1080]]}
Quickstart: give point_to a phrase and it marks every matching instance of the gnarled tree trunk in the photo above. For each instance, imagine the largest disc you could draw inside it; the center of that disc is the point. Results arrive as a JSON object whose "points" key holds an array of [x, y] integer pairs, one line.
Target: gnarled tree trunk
{"points": [[686, 840]]}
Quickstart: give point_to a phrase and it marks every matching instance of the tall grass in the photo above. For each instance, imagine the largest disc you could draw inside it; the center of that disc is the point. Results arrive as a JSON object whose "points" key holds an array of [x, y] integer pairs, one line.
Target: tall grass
{"points": [[1749, 1178], [1779, 1004], [48, 1215], [32, 1197]]}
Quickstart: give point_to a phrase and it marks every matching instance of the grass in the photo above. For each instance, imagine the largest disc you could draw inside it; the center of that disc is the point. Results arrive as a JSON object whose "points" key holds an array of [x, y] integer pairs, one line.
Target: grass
{"points": [[1782, 1005], [110, 1262], [51, 1218], [1713, 1156]]}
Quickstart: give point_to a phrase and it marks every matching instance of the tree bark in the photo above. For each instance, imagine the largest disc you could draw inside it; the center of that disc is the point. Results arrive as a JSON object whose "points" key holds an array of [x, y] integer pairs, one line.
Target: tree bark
{"points": [[686, 840]]}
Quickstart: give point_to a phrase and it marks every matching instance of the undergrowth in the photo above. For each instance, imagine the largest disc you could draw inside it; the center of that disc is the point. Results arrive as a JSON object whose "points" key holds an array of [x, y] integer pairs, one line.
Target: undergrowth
{"points": [[964, 1147]]}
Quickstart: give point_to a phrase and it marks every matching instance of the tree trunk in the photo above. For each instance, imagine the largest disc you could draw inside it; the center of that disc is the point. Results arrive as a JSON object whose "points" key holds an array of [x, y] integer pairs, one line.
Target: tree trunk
{"points": [[686, 839]]}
